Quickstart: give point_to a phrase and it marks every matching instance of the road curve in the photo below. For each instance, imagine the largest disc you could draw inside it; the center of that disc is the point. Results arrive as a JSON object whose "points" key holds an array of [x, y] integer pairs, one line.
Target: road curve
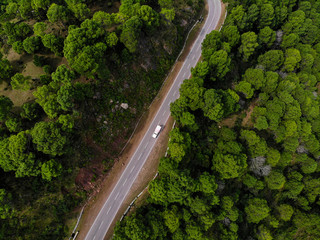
{"points": [[111, 207]]}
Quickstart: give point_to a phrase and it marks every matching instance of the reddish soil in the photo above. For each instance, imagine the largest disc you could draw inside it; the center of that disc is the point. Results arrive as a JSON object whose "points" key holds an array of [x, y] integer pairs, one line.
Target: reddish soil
{"points": [[247, 120]]}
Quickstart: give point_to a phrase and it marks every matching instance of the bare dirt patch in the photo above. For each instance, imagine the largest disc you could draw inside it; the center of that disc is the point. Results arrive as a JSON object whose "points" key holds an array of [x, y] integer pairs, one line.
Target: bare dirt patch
{"points": [[230, 121], [246, 122], [18, 97]]}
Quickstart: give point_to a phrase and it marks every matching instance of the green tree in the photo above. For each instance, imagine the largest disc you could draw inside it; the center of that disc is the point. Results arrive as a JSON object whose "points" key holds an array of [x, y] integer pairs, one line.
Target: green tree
{"points": [[67, 122], [255, 77], [229, 165], [273, 157], [275, 180], [6, 209], [39, 28], [18, 81], [290, 41], [5, 107], [15, 156], [80, 11], [231, 35], [261, 123], [292, 60], [213, 105], [32, 44], [240, 17], [168, 15], [57, 13], [48, 138], [40, 4], [65, 97], [248, 45], [5, 69], [149, 17], [171, 218], [256, 210], [30, 111], [220, 63], [54, 43], [63, 75], [266, 15], [50, 169], [267, 36], [285, 212], [201, 70], [14, 124], [210, 44], [245, 88], [130, 33], [18, 47]]}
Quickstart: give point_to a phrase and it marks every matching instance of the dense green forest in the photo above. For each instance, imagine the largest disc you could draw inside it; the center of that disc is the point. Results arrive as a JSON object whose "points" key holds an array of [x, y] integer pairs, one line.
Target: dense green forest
{"points": [[243, 161], [75, 76]]}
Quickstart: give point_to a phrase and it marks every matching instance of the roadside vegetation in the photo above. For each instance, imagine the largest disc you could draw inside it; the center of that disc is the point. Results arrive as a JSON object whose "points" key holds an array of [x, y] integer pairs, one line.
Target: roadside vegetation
{"points": [[75, 77], [243, 160]]}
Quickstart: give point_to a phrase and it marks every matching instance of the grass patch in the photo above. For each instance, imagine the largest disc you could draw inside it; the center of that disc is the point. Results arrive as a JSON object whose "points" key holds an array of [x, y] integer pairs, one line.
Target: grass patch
{"points": [[18, 97]]}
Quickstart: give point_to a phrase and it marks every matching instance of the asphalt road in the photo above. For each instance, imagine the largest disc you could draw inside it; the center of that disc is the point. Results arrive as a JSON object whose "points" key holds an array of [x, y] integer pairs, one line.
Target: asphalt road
{"points": [[110, 208]]}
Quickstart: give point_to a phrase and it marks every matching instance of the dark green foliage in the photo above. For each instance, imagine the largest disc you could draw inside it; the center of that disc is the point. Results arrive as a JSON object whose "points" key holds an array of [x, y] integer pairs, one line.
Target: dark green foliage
{"points": [[262, 173], [57, 13], [5, 69], [48, 138], [5, 107], [130, 33], [115, 57], [18, 81], [31, 44], [31, 111], [55, 44], [211, 43], [18, 47], [256, 210]]}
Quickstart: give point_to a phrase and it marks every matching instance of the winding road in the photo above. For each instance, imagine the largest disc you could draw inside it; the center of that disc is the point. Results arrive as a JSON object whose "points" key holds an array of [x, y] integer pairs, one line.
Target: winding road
{"points": [[110, 208]]}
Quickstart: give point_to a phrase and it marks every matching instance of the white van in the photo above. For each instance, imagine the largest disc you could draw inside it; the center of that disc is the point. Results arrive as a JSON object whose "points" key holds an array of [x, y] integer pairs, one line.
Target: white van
{"points": [[157, 131]]}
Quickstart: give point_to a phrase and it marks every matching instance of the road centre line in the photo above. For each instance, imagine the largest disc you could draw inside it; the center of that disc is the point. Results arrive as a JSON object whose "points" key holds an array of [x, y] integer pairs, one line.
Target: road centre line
{"points": [[117, 196], [100, 224], [124, 182], [132, 169], [108, 209]]}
